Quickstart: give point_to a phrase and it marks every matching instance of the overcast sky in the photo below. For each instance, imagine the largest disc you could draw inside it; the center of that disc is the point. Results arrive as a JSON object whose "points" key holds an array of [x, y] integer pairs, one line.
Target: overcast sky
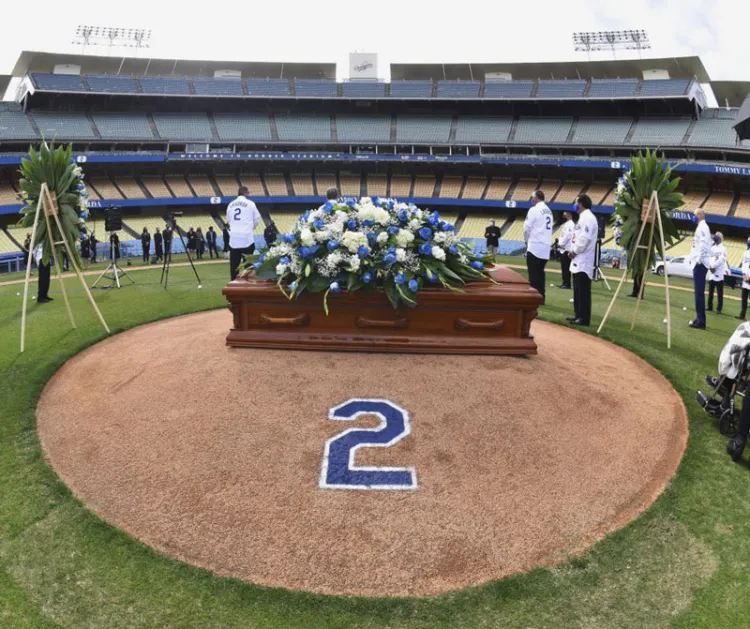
{"points": [[399, 30]]}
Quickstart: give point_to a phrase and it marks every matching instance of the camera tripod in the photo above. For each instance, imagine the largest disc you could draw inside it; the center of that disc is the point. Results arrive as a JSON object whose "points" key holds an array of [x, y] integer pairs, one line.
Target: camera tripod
{"points": [[598, 275], [115, 268], [172, 226]]}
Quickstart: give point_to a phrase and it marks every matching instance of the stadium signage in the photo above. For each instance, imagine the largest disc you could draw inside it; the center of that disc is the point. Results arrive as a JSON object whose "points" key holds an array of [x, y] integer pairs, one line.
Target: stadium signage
{"points": [[680, 216], [732, 170]]}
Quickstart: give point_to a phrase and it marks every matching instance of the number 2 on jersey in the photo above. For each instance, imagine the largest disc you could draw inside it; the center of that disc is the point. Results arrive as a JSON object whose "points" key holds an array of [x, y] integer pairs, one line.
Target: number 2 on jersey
{"points": [[237, 212], [549, 222]]}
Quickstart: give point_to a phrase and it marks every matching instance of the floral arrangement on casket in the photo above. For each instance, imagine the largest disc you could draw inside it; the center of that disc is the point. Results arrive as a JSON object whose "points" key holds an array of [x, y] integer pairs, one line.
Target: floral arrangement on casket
{"points": [[369, 244], [648, 173], [56, 168]]}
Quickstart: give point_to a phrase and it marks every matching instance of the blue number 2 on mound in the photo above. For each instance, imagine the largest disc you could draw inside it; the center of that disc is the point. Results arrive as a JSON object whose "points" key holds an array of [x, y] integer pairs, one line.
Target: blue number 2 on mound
{"points": [[339, 470]]}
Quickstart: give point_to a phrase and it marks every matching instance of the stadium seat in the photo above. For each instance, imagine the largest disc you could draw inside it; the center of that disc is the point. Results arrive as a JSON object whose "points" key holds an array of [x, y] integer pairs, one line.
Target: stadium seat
{"points": [[253, 183], [660, 131], [524, 189], [59, 82], [719, 202], [508, 89], [243, 127], [556, 88], [423, 129], [178, 185], [267, 87], [424, 187], [303, 185], [363, 89], [569, 191], [323, 182], [217, 86], [63, 126], [276, 185], [183, 126], [350, 185], [164, 84], [315, 87], [400, 186], [498, 189], [112, 83], [6, 244], [202, 186], [743, 207], [303, 128], [713, 132], [552, 131], [483, 130], [610, 131], [15, 125], [612, 88], [664, 87], [377, 186], [474, 226], [8, 196], [106, 188], [450, 187], [130, 188], [693, 199], [352, 128], [123, 126], [474, 188], [228, 185], [458, 89], [598, 191], [411, 89], [515, 231]]}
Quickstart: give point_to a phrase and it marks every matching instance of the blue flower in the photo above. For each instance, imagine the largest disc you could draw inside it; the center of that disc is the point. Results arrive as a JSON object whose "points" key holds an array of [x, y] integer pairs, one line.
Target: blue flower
{"points": [[292, 286], [306, 215], [288, 238], [425, 233], [477, 265], [430, 276], [413, 286], [285, 260], [390, 259], [392, 249], [262, 257], [372, 239], [327, 207], [390, 205], [400, 278], [351, 203], [318, 224], [376, 200], [305, 252], [368, 223], [393, 230], [425, 249], [351, 224], [335, 288], [434, 219], [367, 278], [448, 227], [453, 249], [403, 215], [80, 186], [363, 252], [332, 244], [256, 266]]}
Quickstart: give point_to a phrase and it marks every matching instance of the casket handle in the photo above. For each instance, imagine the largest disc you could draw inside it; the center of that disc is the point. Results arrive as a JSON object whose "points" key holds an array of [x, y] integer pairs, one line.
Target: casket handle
{"points": [[301, 319], [366, 322], [463, 324]]}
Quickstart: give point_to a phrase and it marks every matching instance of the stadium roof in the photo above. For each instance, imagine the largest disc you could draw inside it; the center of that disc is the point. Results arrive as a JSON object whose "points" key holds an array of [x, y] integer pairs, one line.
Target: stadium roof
{"points": [[30, 61], [731, 92], [678, 68], [4, 82]]}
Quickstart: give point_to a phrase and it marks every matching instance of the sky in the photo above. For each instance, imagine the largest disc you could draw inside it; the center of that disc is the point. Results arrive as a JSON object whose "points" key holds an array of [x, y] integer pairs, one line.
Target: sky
{"points": [[398, 30]]}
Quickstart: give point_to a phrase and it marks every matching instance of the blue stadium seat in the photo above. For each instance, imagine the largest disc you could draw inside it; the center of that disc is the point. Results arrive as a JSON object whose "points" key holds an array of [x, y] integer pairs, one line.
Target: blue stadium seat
{"points": [[508, 89], [315, 87], [124, 126], [552, 131], [112, 83], [353, 128], [483, 130], [458, 89], [303, 128], [411, 89], [610, 131], [713, 132], [613, 88], [560, 88], [63, 126], [660, 131], [267, 87], [164, 84], [217, 87], [423, 129], [183, 126], [243, 127], [14, 125], [59, 82], [363, 89], [664, 87]]}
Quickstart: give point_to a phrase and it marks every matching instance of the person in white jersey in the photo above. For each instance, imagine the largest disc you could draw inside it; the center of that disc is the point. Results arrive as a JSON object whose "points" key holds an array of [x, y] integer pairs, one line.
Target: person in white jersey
{"points": [[242, 218], [716, 272], [566, 244], [745, 281], [537, 234], [700, 259], [582, 254]]}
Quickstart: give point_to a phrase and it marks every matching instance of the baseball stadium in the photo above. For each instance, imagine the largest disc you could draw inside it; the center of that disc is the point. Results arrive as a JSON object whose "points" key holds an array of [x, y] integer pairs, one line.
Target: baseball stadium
{"points": [[169, 452]]}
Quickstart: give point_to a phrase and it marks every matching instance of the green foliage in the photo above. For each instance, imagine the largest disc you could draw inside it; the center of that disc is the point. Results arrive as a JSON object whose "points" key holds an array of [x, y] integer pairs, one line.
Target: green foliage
{"points": [[54, 167], [648, 173]]}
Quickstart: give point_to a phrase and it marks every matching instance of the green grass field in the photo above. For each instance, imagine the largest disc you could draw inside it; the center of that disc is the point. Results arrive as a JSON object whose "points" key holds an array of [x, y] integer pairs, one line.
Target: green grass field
{"points": [[682, 564]]}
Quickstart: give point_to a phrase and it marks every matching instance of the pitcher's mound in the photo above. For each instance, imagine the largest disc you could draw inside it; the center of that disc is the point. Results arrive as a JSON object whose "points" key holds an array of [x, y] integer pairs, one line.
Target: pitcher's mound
{"points": [[214, 455]]}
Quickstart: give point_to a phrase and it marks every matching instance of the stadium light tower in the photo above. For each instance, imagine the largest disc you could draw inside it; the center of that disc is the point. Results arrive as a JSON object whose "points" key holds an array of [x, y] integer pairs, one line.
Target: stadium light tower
{"points": [[611, 40], [87, 35]]}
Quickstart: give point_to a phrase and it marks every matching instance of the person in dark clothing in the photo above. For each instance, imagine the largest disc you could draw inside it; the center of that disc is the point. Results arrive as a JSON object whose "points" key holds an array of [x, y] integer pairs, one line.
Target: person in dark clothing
{"points": [[158, 245], [66, 262], [43, 282], [168, 234], [492, 236], [225, 236], [92, 248], [637, 288], [146, 244], [211, 242], [270, 234], [191, 243], [85, 251], [114, 243], [27, 244], [332, 194], [200, 243]]}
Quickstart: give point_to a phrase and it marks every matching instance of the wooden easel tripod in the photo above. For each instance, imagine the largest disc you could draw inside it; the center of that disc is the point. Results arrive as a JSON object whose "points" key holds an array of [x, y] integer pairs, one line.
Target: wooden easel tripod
{"points": [[48, 202], [650, 215]]}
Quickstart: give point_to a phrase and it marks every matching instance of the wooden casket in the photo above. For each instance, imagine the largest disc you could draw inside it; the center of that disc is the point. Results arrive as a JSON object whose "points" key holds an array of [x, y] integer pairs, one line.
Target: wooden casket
{"points": [[486, 318]]}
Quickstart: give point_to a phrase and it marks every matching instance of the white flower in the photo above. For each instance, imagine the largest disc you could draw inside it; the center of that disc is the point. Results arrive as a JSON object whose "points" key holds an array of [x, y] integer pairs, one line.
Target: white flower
{"points": [[400, 254], [354, 263], [418, 213], [438, 253], [365, 200], [339, 216], [440, 237], [353, 241], [414, 225], [280, 268], [278, 251], [307, 238], [382, 237], [403, 238]]}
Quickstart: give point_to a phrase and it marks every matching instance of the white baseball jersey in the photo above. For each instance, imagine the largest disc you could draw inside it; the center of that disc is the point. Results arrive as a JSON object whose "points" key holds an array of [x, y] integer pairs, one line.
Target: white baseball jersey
{"points": [[537, 230], [585, 235], [566, 236], [718, 263], [746, 270], [701, 253], [242, 218]]}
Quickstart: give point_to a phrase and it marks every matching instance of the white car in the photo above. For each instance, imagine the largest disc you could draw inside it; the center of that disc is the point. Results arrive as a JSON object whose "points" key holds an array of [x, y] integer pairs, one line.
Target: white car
{"points": [[678, 267]]}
